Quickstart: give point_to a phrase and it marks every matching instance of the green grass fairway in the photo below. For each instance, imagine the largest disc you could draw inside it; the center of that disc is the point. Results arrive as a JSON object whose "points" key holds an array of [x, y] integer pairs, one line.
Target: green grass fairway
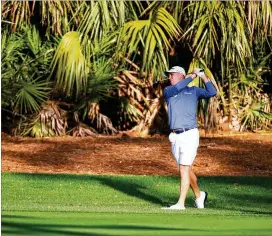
{"points": [[41, 204], [70, 223]]}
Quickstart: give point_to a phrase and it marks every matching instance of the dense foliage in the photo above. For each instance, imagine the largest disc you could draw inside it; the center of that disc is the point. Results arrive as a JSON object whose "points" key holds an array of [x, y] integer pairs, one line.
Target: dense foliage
{"points": [[81, 67]]}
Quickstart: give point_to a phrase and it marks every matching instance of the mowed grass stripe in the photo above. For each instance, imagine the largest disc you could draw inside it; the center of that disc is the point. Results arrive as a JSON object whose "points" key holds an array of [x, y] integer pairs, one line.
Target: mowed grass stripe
{"points": [[69, 223], [133, 194]]}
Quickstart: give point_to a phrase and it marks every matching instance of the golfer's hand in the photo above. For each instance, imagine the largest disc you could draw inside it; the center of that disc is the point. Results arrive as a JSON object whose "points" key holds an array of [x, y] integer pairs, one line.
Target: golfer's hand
{"points": [[199, 72]]}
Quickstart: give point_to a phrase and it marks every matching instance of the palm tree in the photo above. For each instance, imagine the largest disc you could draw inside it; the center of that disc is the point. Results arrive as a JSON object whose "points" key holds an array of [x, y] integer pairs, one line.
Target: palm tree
{"points": [[24, 85], [54, 16], [219, 34], [116, 49], [77, 51]]}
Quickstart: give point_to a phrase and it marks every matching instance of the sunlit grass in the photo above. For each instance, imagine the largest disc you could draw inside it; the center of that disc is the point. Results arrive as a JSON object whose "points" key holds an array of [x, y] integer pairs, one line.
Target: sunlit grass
{"points": [[141, 194], [42, 204]]}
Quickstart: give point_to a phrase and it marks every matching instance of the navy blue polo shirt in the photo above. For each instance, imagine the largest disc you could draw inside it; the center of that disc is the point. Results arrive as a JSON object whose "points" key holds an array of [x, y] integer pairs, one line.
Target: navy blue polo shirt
{"points": [[182, 101]]}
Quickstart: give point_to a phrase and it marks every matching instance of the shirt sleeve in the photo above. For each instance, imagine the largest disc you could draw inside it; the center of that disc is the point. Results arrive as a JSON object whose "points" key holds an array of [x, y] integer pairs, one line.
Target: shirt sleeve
{"points": [[207, 92], [171, 91]]}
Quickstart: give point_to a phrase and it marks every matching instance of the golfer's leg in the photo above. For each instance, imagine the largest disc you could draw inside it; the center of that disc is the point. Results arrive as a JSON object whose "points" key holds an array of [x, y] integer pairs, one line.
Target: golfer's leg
{"points": [[184, 184], [193, 183], [193, 179]]}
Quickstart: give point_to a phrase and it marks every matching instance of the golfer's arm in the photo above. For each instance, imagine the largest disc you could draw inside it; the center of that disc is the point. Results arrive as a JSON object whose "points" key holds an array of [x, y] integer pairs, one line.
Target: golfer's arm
{"points": [[171, 91], [205, 79], [208, 92]]}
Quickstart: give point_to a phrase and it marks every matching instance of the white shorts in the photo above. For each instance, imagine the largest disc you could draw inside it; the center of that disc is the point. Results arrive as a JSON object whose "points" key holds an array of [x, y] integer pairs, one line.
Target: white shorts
{"points": [[184, 146]]}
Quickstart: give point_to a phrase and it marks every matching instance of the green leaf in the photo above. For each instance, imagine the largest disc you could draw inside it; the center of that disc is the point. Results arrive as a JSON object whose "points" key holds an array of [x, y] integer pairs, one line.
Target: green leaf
{"points": [[30, 95], [69, 66]]}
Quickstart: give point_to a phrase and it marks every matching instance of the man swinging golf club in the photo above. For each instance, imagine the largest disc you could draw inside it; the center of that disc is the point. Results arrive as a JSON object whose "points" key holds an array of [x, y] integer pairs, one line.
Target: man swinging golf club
{"points": [[184, 137]]}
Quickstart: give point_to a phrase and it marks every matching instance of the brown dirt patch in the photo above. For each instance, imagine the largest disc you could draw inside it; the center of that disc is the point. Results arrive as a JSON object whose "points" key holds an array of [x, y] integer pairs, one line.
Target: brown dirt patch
{"points": [[231, 155]]}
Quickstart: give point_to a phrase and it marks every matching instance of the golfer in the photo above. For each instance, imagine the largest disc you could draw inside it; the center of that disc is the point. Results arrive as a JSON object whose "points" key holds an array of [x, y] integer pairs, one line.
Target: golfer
{"points": [[184, 137]]}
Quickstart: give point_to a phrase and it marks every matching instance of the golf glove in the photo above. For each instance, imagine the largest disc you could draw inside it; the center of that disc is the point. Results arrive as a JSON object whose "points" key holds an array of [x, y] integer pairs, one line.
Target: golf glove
{"points": [[199, 72]]}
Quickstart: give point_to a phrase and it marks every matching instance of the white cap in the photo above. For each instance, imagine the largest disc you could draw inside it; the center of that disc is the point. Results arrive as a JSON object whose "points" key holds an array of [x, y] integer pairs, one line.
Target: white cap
{"points": [[175, 69]]}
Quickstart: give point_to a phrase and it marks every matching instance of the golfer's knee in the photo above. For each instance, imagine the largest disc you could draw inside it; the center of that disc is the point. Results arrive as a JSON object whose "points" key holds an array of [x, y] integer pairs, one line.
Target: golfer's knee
{"points": [[184, 169]]}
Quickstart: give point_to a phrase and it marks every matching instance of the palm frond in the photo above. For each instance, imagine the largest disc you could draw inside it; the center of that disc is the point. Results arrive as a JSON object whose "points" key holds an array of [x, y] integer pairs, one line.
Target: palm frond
{"points": [[254, 116], [259, 15], [101, 17], [33, 39], [151, 38], [69, 66], [50, 121], [30, 95], [82, 130], [103, 123], [130, 110], [18, 13]]}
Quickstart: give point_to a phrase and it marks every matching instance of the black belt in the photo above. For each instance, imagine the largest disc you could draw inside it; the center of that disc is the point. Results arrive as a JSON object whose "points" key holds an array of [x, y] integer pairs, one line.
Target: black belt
{"points": [[179, 131]]}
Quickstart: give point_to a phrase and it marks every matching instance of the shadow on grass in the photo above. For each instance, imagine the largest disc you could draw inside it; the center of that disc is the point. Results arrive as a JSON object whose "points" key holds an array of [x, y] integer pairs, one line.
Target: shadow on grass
{"points": [[16, 217], [247, 203], [264, 182], [11, 228], [128, 185], [245, 194], [250, 195], [231, 198], [131, 188]]}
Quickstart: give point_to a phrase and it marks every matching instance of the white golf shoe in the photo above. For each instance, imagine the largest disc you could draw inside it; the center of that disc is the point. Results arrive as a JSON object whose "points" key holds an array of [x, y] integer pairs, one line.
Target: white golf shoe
{"points": [[200, 202], [174, 207]]}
